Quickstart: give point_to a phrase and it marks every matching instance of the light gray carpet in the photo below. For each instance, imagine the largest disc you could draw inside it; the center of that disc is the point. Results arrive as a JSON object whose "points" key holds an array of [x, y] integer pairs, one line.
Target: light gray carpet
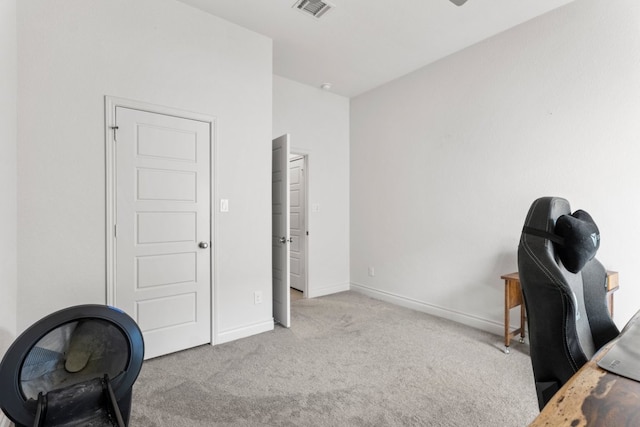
{"points": [[348, 360]]}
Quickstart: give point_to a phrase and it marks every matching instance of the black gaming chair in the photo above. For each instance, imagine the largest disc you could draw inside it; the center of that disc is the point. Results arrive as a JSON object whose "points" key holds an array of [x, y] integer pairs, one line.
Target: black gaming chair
{"points": [[75, 367], [567, 311]]}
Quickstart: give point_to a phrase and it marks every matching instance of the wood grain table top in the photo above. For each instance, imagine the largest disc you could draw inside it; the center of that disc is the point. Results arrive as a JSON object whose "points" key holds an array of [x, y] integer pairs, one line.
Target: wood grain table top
{"points": [[594, 397]]}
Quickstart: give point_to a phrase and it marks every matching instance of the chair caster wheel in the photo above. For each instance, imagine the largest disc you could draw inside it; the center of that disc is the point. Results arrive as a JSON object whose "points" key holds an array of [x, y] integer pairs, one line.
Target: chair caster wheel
{"points": [[506, 350], [521, 340]]}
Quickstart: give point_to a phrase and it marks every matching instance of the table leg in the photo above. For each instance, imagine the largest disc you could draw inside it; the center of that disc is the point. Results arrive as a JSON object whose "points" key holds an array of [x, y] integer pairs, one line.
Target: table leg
{"points": [[522, 323], [507, 321]]}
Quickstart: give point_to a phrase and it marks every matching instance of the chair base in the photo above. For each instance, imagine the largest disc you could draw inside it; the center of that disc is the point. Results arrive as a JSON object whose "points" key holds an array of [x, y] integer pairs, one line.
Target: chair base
{"points": [[90, 403], [545, 391]]}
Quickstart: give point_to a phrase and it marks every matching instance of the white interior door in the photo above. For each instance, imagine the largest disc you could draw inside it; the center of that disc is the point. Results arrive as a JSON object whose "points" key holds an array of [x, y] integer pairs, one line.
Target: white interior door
{"points": [[298, 229], [163, 228], [280, 230]]}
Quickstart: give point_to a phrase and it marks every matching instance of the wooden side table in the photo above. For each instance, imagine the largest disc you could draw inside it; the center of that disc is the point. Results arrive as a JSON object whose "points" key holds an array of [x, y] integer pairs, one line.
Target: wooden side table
{"points": [[513, 298]]}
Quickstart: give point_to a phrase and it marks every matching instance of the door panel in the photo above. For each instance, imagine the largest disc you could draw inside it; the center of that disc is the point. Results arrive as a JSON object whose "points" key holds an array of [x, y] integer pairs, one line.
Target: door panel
{"points": [[177, 186], [162, 313], [161, 270], [163, 276], [298, 224], [280, 230]]}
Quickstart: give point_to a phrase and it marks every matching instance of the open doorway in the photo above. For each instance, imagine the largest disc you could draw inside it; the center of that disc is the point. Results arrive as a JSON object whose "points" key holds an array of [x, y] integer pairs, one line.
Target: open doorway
{"points": [[298, 229]]}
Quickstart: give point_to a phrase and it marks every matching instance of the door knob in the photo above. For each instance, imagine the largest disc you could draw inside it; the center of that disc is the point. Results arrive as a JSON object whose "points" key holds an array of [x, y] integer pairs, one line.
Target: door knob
{"points": [[204, 245], [283, 239]]}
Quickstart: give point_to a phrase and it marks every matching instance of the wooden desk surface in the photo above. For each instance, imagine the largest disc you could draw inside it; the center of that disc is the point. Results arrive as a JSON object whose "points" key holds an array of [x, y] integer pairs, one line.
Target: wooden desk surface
{"points": [[594, 397]]}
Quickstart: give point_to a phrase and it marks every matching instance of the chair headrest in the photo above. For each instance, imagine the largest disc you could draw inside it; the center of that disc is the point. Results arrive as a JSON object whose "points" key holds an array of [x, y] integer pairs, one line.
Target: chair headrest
{"points": [[580, 240], [575, 236]]}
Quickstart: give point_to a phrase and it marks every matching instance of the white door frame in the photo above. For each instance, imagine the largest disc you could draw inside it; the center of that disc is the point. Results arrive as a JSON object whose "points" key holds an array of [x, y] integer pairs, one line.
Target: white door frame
{"points": [[111, 102], [305, 156]]}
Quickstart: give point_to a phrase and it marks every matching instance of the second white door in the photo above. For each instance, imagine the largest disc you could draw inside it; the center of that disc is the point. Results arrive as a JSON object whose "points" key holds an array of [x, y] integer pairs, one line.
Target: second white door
{"points": [[297, 205]]}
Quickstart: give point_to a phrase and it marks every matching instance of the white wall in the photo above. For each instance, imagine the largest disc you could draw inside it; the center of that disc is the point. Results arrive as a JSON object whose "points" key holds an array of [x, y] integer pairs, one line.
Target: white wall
{"points": [[446, 161], [318, 122], [8, 173], [157, 51]]}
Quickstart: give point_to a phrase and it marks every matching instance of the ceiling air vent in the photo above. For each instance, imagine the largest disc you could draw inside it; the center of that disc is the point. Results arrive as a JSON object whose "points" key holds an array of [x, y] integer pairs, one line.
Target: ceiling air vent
{"points": [[315, 8]]}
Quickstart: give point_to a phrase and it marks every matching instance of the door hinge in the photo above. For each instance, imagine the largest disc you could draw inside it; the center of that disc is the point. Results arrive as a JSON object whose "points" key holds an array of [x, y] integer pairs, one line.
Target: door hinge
{"points": [[115, 230], [115, 132]]}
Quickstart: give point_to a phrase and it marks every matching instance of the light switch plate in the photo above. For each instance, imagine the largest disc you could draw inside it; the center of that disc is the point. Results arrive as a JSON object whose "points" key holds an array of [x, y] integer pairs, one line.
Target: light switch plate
{"points": [[224, 205]]}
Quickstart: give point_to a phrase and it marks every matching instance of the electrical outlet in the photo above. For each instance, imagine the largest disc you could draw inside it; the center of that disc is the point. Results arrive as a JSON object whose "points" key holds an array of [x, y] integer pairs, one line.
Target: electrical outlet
{"points": [[257, 297], [372, 271]]}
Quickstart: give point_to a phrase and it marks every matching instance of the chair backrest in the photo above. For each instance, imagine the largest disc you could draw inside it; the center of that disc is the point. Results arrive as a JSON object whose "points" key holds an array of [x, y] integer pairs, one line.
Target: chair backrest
{"points": [[67, 348], [567, 312]]}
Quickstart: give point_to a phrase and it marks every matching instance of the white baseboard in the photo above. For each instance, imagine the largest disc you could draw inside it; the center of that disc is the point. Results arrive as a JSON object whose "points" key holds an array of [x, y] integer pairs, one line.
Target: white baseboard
{"points": [[243, 332], [487, 325], [4, 421], [328, 290]]}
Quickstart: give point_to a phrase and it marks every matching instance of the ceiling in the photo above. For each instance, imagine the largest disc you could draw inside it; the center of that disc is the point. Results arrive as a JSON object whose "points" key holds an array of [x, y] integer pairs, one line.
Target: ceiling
{"points": [[361, 44]]}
